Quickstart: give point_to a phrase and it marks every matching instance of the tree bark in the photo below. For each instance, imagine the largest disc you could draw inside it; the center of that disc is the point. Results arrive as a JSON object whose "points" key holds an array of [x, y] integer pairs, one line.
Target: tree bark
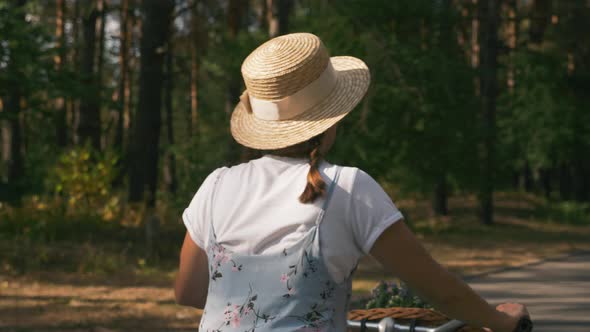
{"points": [[236, 13], [565, 181], [73, 109], [439, 202], [540, 17], [144, 147], [12, 107], [511, 36], [198, 41], [100, 28], [16, 170], [89, 118], [488, 12], [262, 12], [60, 105], [143, 162], [170, 172], [475, 35], [546, 175], [193, 129], [527, 177], [277, 12], [134, 25], [123, 93], [123, 14]]}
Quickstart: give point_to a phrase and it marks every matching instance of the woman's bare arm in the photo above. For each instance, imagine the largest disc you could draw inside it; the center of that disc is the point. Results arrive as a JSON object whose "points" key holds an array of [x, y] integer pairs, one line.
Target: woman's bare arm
{"points": [[401, 253], [192, 280]]}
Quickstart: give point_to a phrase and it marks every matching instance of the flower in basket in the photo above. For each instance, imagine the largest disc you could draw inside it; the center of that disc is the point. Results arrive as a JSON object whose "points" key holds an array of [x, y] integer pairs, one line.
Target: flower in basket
{"points": [[394, 294]]}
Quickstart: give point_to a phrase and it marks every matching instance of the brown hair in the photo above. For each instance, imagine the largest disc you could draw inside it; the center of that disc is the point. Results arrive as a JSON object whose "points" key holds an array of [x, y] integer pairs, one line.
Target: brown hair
{"points": [[316, 186]]}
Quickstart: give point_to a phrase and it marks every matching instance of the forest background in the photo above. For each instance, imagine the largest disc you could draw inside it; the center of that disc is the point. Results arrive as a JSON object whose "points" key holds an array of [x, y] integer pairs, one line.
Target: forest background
{"points": [[114, 111]]}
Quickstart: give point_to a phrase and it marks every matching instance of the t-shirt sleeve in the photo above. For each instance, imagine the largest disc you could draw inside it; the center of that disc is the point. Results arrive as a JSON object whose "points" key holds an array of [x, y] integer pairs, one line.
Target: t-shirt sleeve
{"points": [[372, 211], [197, 216]]}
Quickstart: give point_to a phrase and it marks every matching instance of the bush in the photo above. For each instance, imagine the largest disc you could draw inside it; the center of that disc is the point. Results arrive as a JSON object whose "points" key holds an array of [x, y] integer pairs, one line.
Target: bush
{"points": [[82, 180]]}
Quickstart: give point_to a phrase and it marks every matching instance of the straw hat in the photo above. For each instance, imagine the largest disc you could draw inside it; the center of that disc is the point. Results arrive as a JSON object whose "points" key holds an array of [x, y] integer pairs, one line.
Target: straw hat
{"points": [[295, 91]]}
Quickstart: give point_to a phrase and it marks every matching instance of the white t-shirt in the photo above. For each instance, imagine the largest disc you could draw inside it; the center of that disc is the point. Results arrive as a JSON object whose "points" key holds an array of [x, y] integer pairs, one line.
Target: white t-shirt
{"points": [[256, 210]]}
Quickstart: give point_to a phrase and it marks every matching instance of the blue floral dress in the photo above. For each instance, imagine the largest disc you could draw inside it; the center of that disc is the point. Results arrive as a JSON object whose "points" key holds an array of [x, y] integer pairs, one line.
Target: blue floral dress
{"points": [[288, 291]]}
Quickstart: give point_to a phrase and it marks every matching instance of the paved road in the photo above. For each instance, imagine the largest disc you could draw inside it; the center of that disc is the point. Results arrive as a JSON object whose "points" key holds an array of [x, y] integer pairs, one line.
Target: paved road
{"points": [[557, 292]]}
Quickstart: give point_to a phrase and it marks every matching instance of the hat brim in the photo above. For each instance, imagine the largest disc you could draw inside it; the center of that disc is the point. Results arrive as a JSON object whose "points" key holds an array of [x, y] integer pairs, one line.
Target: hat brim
{"points": [[352, 82]]}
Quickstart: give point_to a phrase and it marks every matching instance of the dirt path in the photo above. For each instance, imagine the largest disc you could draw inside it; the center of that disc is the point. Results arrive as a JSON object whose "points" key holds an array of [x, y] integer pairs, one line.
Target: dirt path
{"points": [[27, 305]]}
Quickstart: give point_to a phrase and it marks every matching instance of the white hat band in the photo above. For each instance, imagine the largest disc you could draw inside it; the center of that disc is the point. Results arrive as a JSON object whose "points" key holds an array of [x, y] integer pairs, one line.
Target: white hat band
{"points": [[297, 103]]}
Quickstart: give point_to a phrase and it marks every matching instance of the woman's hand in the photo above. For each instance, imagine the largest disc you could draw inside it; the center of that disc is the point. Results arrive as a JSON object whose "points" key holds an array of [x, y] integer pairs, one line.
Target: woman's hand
{"points": [[515, 311]]}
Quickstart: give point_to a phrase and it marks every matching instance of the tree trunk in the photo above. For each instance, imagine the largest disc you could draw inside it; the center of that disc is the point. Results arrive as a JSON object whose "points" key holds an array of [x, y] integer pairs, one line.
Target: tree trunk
{"points": [[13, 131], [475, 35], [540, 17], [488, 12], [198, 40], [89, 118], [73, 108], [511, 36], [60, 105], [5, 127], [277, 12], [262, 12], [439, 202], [143, 150], [100, 28], [193, 129], [16, 170], [546, 174], [565, 181], [143, 162], [170, 172], [135, 26], [527, 177], [122, 94], [236, 12]]}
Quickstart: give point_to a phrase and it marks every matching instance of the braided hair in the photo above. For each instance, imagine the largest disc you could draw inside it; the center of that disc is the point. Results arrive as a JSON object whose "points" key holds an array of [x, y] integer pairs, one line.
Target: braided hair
{"points": [[316, 186]]}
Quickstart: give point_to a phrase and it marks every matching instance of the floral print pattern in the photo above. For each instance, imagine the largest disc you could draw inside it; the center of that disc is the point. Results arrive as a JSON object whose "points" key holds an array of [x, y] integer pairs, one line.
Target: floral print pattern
{"points": [[316, 316], [220, 255], [290, 291], [234, 314], [307, 265]]}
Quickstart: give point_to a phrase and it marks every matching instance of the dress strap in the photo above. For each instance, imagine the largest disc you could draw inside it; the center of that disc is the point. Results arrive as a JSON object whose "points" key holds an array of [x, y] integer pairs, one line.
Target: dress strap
{"points": [[328, 195], [213, 196]]}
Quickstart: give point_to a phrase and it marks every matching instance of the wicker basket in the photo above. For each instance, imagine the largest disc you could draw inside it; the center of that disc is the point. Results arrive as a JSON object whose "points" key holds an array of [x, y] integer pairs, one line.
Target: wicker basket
{"points": [[424, 317]]}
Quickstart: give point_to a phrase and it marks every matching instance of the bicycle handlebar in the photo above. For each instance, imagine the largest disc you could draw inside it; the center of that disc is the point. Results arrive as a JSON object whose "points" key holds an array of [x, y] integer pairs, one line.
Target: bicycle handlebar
{"points": [[389, 325]]}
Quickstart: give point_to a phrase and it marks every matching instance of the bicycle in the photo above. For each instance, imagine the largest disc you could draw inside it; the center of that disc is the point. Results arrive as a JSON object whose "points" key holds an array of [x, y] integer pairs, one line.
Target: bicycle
{"points": [[388, 324]]}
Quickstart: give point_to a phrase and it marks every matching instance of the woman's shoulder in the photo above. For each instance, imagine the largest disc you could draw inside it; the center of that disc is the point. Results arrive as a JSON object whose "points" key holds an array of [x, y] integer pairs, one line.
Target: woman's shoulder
{"points": [[354, 178]]}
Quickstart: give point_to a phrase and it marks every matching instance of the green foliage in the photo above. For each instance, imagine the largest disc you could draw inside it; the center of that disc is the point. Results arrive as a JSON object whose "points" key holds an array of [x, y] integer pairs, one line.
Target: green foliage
{"points": [[25, 58], [83, 178], [541, 123], [566, 212], [394, 294], [419, 124], [416, 125]]}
